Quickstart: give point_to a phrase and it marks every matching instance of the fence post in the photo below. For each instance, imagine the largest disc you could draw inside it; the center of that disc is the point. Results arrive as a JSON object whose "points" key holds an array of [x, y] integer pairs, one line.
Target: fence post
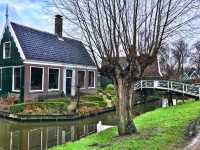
{"points": [[141, 84]]}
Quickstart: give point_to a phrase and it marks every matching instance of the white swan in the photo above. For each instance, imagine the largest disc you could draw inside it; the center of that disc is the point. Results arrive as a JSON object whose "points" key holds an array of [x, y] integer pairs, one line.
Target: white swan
{"points": [[101, 127]]}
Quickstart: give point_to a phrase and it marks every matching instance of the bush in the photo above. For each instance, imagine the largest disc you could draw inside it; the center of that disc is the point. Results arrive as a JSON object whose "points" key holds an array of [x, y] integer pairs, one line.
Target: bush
{"points": [[17, 108], [50, 107], [109, 87]]}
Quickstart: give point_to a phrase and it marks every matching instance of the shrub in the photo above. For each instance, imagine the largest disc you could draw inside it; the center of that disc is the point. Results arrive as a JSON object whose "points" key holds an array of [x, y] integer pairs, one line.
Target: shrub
{"points": [[50, 107], [17, 108], [109, 87]]}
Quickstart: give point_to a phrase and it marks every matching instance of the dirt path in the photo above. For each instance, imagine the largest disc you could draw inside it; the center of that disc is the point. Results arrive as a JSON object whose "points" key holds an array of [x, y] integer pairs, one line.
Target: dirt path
{"points": [[194, 144]]}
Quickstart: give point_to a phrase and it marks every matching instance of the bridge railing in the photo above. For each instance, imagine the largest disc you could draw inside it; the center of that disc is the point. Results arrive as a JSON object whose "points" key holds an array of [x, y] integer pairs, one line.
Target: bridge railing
{"points": [[189, 89]]}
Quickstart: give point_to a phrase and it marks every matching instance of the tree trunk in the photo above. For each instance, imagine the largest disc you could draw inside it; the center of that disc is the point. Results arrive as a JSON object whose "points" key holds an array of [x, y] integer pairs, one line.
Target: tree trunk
{"points": [[126, 97]]}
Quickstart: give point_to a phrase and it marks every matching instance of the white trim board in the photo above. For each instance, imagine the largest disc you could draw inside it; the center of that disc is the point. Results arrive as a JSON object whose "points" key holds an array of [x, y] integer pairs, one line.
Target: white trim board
{"points": [[68, 66], [3, 31], [11, 67], [16, 42]]}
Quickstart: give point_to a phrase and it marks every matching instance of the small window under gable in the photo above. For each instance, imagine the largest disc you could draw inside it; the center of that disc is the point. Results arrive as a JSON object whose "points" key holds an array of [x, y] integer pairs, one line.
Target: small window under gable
{"points": [[7, 50]]}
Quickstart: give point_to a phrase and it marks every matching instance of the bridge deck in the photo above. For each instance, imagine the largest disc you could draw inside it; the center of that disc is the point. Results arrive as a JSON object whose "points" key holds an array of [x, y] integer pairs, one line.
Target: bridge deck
{"points": [[188, 89]]}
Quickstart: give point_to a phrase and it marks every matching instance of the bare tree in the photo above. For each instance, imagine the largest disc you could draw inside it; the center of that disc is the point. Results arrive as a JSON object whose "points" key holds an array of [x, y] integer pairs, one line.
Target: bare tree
{"points": [[132, 28], [173, 58], [195, 57], [180, 54], [167, 62]]}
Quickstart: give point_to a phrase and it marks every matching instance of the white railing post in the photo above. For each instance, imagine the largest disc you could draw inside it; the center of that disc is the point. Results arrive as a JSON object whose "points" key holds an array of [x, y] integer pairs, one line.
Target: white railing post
{"points": [[183, 88], [141, 85], [199, 93], [186, 88], [170, 85]]}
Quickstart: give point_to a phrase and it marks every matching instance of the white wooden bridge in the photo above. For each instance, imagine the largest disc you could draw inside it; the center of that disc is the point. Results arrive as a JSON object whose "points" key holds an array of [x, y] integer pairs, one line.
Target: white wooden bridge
{"points": [[174, 86]]}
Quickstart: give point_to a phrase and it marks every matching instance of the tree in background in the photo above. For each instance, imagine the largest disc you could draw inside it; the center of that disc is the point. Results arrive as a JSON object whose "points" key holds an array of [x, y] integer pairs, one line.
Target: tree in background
{"points": [[180, 54], [195, 57], [167, 63], [135, 29], [173, 58]]}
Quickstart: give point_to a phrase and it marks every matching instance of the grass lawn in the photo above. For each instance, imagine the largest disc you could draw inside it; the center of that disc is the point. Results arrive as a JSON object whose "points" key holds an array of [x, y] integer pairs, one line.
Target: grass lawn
{"points": [[161, 129]]}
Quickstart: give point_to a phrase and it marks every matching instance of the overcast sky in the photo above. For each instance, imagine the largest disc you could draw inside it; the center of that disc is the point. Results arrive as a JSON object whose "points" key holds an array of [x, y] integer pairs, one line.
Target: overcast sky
{"points": [[34, 13], [27, 12]]}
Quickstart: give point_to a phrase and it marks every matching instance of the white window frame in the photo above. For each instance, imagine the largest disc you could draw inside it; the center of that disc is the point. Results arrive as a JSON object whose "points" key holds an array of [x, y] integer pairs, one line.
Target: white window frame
{"points": [[91, 87], [1, 78], [4, 50], [81, 88], [42, 90], [50, 90], [13, 78]]}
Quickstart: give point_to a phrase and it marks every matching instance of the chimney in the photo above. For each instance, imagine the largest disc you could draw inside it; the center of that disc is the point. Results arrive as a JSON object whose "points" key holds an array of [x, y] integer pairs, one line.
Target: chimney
{"points": [[58, 25]]}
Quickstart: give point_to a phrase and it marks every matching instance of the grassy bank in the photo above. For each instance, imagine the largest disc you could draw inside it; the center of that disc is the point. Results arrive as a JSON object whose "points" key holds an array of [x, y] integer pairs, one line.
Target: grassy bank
{"points": [[163, 128]]}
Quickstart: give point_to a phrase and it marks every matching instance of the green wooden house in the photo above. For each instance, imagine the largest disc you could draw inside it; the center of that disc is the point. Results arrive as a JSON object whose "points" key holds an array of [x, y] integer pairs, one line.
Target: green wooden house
{"points": [[37, 64]]}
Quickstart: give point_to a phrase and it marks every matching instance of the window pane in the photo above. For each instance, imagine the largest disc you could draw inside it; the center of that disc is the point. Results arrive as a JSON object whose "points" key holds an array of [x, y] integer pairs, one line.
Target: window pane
{"points": [[17, 79], [7, 50], [91, 79], [53, 78], [36, 78], [0, 78], [68, 73], [81, 79]]}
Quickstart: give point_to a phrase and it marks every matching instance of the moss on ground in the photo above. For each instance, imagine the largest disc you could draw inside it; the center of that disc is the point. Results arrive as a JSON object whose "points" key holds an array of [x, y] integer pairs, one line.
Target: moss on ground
{"points": [[162, 129]]}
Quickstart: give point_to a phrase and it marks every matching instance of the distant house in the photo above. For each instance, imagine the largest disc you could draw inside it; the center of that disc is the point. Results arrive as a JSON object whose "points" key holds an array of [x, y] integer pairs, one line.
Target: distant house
{"points": [[35, 63], [191, 75], [151, 72]]}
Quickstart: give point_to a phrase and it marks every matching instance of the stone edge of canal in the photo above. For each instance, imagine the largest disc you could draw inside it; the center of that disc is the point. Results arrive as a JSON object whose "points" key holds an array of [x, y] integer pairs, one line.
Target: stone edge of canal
{"points": [[27, 118]]}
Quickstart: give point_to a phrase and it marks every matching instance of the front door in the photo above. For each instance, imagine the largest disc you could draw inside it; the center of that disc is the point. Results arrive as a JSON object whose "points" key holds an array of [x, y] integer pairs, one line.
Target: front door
{"points": [[68, 86], [68, 82]]}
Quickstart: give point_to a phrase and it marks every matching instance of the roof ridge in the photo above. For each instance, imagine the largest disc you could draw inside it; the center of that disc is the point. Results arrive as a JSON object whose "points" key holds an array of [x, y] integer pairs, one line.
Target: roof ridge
{"points": [[42, 31]]}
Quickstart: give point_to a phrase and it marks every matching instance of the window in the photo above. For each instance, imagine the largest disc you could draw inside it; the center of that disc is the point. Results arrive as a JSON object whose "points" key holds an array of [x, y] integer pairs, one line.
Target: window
{"points": [[0, 78], [91, 79], [6, 50], [16, 79], [37, 79], [81, 79], [68, 73], [53, 79]]}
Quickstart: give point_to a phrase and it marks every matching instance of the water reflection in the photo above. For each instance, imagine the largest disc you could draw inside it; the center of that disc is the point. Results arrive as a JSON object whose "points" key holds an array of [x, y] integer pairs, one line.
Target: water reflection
{"points": [[41, 136]]}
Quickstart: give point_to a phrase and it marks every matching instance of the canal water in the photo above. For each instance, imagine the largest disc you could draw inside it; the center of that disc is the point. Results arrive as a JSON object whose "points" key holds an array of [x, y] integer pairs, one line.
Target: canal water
{"points": [[43, 135]]}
